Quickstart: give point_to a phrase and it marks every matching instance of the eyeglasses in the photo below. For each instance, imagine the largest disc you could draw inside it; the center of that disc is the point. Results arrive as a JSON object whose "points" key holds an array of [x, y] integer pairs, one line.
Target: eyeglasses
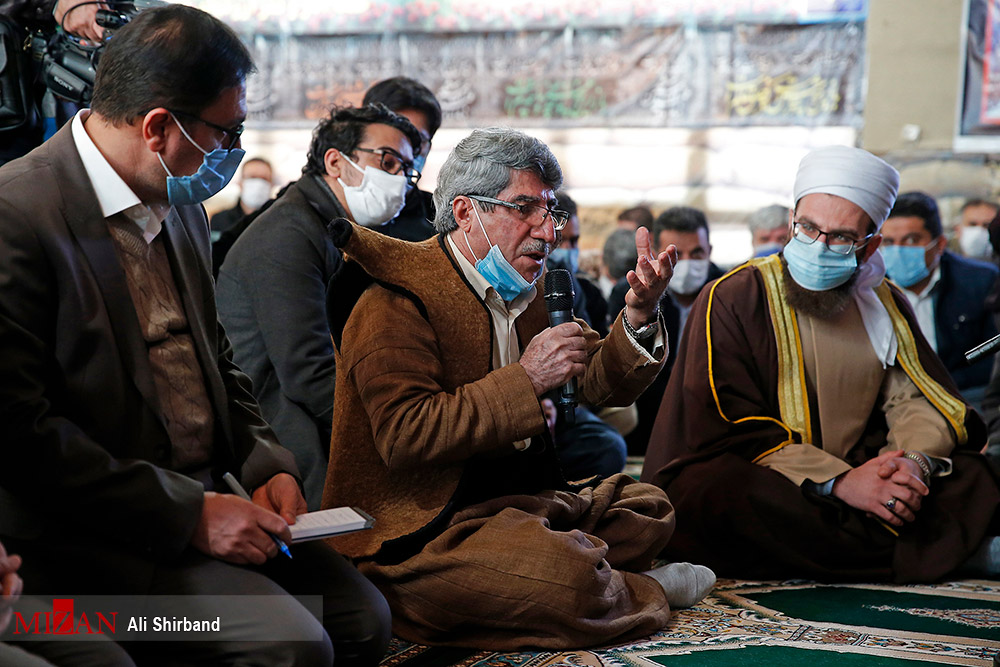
{"points": [[393, 163], [838, 243], [530, 212], [232, 133]]}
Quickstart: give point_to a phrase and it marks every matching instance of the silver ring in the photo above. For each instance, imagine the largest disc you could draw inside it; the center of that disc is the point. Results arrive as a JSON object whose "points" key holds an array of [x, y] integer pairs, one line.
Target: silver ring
{"points": [[890, 504]]}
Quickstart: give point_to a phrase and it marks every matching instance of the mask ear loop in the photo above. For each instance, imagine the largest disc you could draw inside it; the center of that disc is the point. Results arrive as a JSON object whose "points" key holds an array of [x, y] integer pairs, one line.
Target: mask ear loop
{"points": [[186, 136], [353, 163], [357, 168], [164, 165], [481, 227]]}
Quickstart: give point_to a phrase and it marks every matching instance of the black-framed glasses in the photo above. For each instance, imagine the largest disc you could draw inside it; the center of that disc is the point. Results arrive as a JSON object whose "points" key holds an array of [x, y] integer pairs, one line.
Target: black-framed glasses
{"points": [[530, 212], [393, 163], [841, 244], [232, 133]]}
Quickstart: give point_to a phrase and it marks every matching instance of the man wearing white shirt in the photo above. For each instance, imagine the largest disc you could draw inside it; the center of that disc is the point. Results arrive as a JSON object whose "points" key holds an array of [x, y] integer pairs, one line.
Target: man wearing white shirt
{"points": [[947, 292], [121, 405]]}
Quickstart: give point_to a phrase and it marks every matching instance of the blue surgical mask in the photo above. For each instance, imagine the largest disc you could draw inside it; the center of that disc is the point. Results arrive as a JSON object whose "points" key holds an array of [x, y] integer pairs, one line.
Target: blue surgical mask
{"points": [[497, 271], [906, 265], [419, 162], [766, 249], [817, 268], [566, 258], [217, 168]]}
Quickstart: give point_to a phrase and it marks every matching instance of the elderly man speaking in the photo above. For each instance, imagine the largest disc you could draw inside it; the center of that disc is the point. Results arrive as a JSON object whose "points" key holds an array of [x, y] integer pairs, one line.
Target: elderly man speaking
{"points": [[808, 429], [440, 433]]}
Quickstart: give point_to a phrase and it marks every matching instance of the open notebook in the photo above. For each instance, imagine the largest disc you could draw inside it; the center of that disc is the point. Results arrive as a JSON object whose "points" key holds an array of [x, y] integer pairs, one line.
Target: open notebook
{"points": [[327, 523]]}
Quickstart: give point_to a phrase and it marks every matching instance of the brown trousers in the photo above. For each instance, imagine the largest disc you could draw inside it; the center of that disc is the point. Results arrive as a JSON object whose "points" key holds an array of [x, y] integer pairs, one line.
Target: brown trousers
{"points": [[555, 570]]}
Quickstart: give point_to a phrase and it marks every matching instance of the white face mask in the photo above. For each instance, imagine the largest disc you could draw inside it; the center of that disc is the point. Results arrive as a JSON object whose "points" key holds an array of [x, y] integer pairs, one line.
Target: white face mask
{"points": [[689, 276], [255, 192], [378, 199], [975, 242]]}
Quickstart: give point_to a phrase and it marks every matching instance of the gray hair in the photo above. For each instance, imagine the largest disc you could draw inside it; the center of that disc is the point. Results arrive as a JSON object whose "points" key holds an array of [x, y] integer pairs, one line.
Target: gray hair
{"points": [[481, 164], [768, 218], [620, 254]]}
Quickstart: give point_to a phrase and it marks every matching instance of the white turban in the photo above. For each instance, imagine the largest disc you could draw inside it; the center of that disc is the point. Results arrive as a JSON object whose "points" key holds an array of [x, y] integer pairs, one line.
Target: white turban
{"points": [[871, 184], [851, 173]]}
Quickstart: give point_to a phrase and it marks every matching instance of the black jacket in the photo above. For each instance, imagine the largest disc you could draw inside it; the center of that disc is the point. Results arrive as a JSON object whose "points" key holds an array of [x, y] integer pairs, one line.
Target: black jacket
{"points": [[272, 301], [413, 222], [961, 318]]}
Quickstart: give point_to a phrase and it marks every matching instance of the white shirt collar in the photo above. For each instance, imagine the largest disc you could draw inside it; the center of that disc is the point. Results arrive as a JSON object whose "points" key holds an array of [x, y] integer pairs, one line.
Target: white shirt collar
{"points": [[498, 308], [113, 194], [931, 284], [480, 284]]}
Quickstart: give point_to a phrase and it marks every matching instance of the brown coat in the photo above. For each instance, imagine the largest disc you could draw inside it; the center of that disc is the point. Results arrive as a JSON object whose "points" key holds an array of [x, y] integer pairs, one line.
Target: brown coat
{"points": [[423, 425], [720, 422]]}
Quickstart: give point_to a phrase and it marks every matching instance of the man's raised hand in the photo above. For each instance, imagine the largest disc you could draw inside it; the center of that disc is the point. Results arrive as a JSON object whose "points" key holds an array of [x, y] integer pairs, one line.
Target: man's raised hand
{"points": [[648, 281]]}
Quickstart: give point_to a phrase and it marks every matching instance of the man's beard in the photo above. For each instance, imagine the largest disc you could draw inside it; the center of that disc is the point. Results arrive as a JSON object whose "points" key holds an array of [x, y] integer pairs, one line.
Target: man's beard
{"points": [[826, 305]]}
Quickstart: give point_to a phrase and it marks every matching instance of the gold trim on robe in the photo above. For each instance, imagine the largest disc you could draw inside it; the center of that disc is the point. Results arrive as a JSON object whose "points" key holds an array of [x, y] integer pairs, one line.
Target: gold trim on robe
{"points": [[711, 376], [950, 407], [793, 398]]}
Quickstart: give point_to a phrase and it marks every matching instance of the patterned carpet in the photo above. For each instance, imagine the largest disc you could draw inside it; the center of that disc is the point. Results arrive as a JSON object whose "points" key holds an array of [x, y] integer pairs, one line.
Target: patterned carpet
{"points": [[786, 623]]}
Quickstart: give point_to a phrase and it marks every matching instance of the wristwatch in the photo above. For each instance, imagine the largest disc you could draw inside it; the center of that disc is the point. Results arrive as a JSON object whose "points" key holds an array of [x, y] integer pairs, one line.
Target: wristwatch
{"points": [[921, 461], [646, 331]]}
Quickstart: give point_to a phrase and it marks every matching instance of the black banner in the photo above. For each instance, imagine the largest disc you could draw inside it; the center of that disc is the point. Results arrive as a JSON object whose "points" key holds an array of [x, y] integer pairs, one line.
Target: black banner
{"points": [[674, 76]]}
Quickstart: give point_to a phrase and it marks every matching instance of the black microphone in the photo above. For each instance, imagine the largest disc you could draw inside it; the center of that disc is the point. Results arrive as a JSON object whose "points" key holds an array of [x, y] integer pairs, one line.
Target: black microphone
{"points": [[976, 353], [559, 302]]}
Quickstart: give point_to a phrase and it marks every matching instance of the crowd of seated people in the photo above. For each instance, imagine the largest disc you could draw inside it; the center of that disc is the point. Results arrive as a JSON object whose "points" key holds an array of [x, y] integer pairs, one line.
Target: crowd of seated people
{"points": [[369, 344]]}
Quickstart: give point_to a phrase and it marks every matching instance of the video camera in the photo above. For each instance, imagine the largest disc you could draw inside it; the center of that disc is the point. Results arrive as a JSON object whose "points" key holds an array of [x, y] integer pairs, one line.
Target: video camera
{"points": [[70, 65]]}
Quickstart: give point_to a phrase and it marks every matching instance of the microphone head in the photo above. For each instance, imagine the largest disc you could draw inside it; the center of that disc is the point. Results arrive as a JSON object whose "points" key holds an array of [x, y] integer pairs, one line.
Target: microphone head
{"points": [[558, 290]]}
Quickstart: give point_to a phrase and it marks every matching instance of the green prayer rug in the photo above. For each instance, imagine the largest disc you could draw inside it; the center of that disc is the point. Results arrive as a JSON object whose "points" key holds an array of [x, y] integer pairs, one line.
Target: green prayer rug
{"points": [[785, 623]]}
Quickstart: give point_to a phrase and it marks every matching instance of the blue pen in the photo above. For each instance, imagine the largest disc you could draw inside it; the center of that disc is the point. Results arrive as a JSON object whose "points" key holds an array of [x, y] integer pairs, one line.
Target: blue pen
{"points": [[238, 489]]}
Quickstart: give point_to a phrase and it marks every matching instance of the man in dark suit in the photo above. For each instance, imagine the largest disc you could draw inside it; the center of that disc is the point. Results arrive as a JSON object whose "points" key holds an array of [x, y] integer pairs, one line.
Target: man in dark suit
{"points": [[948, 292], [121, 405], [687, 229]]}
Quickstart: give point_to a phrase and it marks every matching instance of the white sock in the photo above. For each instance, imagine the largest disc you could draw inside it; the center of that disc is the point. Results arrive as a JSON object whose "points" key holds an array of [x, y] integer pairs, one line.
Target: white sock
{"points": [[684, 584], [986, 560]]}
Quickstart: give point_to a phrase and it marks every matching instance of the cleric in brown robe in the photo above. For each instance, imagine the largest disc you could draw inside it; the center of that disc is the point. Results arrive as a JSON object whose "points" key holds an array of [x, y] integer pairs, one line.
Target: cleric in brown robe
{"points": [[808, 429]]}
